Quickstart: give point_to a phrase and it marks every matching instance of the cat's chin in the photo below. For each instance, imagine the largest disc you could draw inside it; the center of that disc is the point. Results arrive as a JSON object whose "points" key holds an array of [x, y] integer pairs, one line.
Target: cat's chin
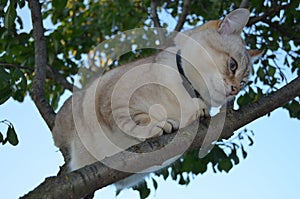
{"points": [[216, 102], [217, 99]]}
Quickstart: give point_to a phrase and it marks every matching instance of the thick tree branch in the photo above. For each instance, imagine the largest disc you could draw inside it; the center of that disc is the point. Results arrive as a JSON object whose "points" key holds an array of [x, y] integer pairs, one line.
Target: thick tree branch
{"points": [[96, 176], [182, 17], [38, 84]]}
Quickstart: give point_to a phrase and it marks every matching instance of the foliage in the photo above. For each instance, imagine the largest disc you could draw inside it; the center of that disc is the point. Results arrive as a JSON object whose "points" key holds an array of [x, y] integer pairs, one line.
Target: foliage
{"points": [[11, 136], [79, 26], [222, 157]]}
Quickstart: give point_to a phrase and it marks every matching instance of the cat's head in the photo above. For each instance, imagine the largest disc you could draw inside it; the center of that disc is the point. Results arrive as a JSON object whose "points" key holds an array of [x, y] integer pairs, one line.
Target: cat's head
{"points": [[220, 56]]}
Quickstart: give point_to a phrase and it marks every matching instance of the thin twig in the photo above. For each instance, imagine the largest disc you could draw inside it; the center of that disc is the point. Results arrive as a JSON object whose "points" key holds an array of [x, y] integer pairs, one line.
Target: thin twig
{"points": [[51, 74], [8, 65], [59, 79], [287, 33], [269, 12]]}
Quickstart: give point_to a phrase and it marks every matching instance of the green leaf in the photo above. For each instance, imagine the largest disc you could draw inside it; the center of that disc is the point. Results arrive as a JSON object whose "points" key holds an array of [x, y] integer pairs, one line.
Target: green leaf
{"points": [[21, 3], [1, 137], [118, 192], [143, 190], [273, 56], [250, 140], [261, 73], [243, 100], [165, 174], [12, 136], [4, 78], [17, 74], [233, 156], [3, 4], [20, 85], [294, 109], [271, 71], [20, 22], [225, 165], [181, 180], [59, 4], [201, 167], [174, 174], [18, 95], [244, 152], [10, 15], [154, 183], [217, 154], [5, 94]]}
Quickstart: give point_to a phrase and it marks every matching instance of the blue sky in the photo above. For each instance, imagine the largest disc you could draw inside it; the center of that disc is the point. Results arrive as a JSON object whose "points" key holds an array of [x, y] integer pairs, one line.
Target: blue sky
{"points": [[271, 169]]}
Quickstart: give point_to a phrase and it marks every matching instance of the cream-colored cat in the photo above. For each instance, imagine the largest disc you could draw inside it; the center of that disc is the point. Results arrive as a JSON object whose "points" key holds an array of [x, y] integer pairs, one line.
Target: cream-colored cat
{"points": [[206, 67]]}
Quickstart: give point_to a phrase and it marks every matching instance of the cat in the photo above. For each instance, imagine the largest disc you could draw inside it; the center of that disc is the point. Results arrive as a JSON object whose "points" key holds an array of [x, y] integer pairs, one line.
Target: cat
{"points": [[206, 67]]}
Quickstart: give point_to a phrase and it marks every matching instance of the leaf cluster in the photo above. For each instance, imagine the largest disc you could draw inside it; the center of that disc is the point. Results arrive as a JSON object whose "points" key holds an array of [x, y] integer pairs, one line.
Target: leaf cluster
{"points": [[223, 156], [11, 136]]}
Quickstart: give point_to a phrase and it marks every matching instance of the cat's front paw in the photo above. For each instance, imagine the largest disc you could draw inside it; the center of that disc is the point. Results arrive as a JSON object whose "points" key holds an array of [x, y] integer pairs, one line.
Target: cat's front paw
{"points": [[146, 127], [166, 126], [202, 111]]}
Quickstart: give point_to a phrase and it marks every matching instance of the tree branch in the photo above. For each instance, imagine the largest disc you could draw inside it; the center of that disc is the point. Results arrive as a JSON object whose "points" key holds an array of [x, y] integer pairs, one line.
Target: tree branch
{"points": [[267, 13], [58, 78], [8, 65], [292, 34], [155, 18], [51, 74], [182, 17], [156, 21], [38, 83], [90, 178]]}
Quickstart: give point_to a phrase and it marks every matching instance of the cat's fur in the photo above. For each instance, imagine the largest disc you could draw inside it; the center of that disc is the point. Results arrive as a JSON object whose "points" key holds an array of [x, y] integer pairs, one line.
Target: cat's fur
{"points": [[147, 98]]}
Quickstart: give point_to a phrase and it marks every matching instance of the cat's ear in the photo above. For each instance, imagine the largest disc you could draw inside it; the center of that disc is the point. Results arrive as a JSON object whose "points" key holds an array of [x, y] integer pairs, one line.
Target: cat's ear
{"points": [[234, 22], [255, 54]]}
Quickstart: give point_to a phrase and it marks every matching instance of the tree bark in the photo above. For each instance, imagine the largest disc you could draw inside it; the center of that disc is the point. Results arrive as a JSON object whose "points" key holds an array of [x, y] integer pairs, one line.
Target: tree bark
{"points": [[182, 17], [93, 177], [38, 83]]}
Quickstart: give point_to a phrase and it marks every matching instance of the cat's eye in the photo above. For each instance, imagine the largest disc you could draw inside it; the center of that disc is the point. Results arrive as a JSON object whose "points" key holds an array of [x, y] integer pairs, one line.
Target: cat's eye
{"points": [[233, 65]]}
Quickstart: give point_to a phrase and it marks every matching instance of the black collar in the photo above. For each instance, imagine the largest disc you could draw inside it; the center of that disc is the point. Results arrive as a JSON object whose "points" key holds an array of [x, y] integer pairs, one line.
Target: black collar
{"points": [[185, 81]]}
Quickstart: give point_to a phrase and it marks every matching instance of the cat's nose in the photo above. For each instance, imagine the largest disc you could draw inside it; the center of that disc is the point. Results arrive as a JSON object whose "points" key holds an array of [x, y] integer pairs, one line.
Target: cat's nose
{"points": [[234, 90]]}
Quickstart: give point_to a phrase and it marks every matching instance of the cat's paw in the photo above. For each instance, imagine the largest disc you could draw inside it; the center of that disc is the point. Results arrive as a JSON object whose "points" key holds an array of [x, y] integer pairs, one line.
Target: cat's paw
{"points": [[202, 111], [166, 126], [149, 128], [169, 125]]}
